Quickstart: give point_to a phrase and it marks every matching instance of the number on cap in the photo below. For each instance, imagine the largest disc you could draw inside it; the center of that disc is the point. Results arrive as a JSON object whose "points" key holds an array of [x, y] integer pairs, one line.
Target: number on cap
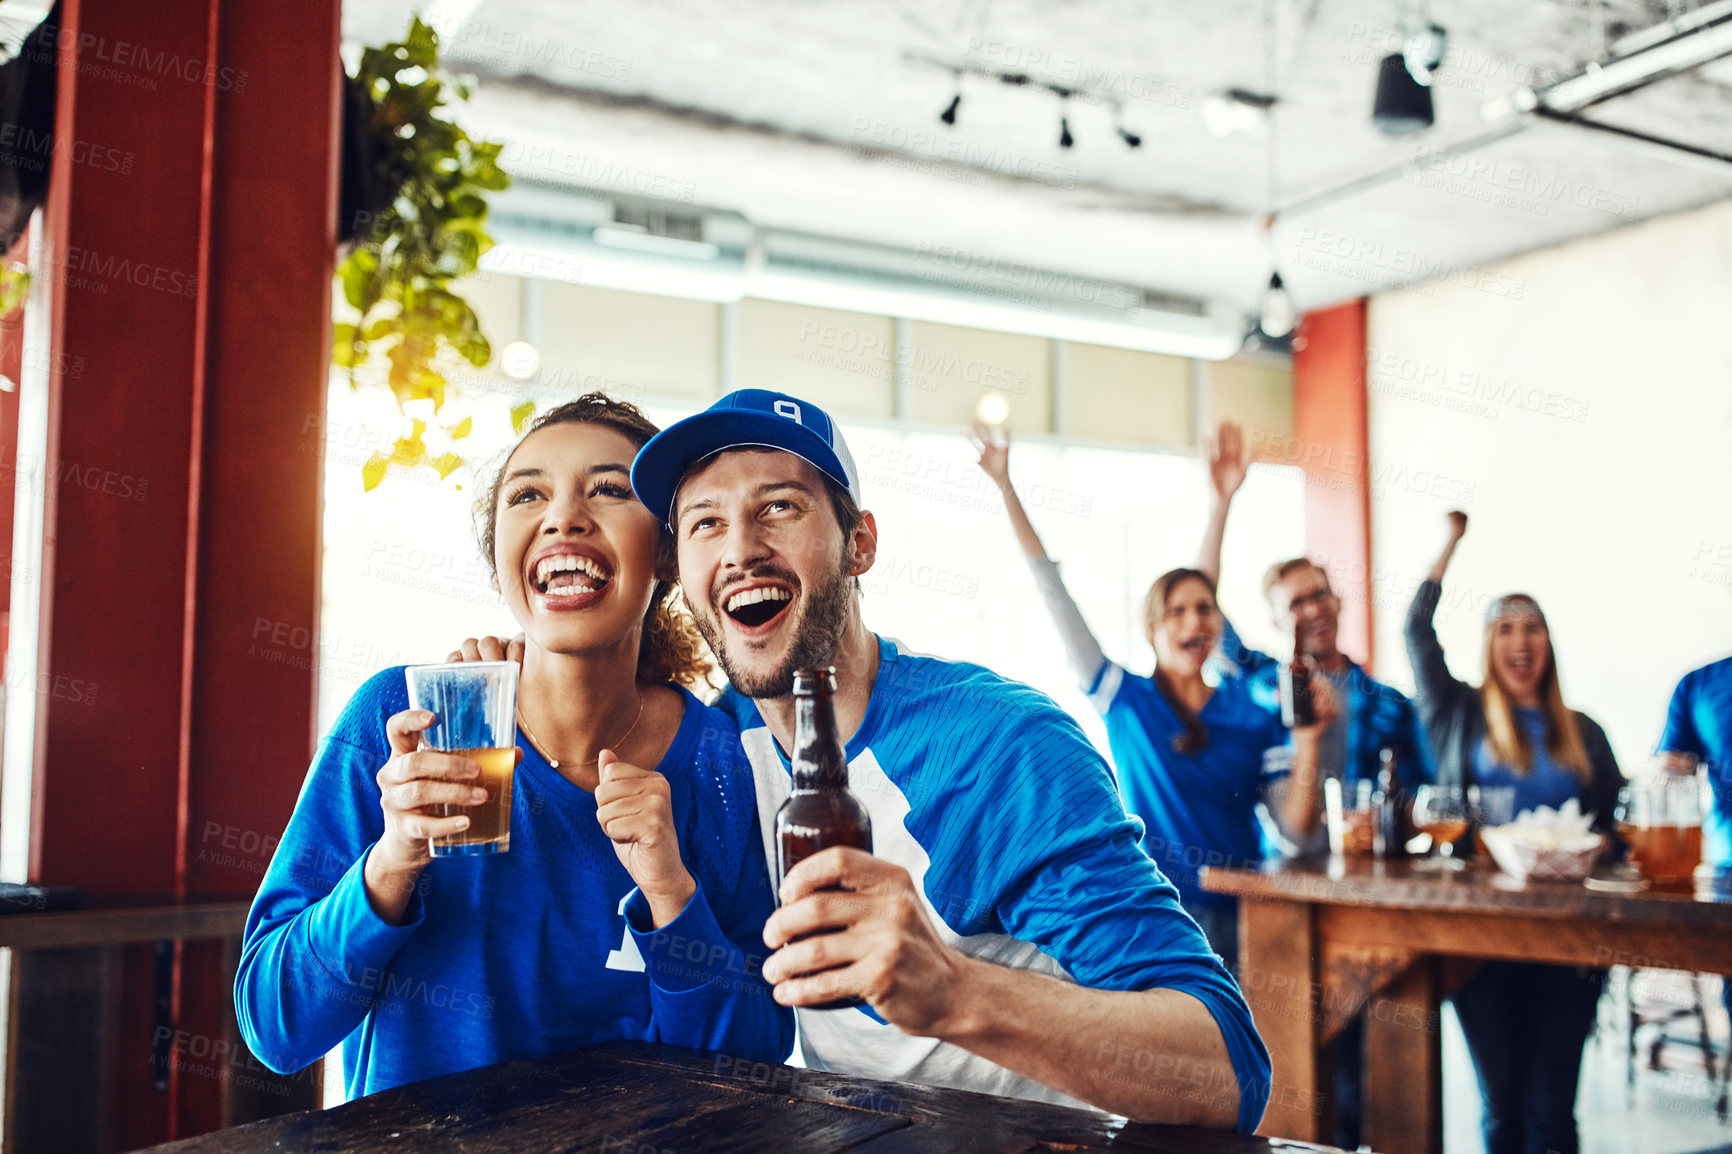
{"points": [[789, 410]]}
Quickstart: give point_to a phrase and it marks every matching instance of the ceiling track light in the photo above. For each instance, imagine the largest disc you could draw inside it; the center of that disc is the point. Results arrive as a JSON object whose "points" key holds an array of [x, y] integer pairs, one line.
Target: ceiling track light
{"points": [[1403, 102], [1235, 110], [1065, 139], [1131, 139], [948, 116]]}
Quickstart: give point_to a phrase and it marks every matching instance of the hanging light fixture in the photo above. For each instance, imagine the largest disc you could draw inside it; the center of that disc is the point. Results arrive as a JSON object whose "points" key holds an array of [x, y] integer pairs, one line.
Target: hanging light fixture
{"points": [[1403, 102], [948, 116], [1275, 313]]}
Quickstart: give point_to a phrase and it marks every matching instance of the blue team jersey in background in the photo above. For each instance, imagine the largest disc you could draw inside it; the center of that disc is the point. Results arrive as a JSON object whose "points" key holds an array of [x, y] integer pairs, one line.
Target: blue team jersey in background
{"points": [[523, 954], [1699, 721], [1197, 809], [1378, 716], [1546, 783], [1010, 825]]}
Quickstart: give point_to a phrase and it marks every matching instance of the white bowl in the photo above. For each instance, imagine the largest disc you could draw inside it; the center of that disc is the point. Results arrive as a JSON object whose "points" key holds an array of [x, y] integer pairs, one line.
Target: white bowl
{"points": [[1526, 862]]}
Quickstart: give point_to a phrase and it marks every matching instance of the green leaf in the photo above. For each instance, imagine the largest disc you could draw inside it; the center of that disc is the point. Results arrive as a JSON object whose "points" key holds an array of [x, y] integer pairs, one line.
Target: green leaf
{"points": [[398, 277], [344, 352], [520, 415], [373, 472]]}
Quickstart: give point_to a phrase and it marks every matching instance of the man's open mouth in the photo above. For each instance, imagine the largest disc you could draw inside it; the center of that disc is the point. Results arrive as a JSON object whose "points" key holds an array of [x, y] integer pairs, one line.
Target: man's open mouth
{"points": [[569, 574], [757, 606]]}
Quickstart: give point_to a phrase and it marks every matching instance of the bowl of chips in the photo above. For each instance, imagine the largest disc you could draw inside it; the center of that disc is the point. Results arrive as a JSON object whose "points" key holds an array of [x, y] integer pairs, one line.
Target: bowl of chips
{"points": [[1545, 844]]}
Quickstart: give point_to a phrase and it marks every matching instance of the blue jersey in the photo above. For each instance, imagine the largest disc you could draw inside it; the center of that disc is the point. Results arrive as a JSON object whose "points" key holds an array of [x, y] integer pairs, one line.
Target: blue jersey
{"points": [[992, 799], [1378, 716], [1699, 721], [1198, 809], [1547, 783], [524, 954]]}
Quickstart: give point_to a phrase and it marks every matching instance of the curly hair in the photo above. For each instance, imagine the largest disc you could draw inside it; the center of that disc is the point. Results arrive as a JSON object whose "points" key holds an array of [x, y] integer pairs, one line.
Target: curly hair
{"points": [[671, 648]]}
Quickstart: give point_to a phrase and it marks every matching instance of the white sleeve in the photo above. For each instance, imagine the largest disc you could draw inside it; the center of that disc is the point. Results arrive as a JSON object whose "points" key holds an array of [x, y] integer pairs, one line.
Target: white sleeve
{"points": [[1080, 645]]}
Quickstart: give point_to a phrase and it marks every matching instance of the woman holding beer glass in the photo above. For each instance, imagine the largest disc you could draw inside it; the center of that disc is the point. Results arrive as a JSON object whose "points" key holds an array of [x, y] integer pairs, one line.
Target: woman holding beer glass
{"points": [[631, 901], [1525, 1023], [1190, 755]]}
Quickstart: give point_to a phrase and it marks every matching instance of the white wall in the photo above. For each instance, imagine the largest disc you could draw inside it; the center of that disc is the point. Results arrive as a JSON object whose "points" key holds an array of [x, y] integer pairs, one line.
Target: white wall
{"points": [[1578, 405]]}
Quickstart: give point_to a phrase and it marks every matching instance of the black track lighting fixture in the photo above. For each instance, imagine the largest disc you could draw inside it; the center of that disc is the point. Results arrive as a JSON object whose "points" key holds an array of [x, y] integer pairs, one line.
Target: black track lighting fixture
{"points": [[1403, 101], [949, 114], [1065, 139], [1131, 139]]}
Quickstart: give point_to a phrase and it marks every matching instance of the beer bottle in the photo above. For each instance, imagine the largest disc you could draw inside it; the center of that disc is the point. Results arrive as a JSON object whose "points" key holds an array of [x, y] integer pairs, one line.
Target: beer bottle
{"points": [[1386, 839], [1297, 707], [820, 812]]}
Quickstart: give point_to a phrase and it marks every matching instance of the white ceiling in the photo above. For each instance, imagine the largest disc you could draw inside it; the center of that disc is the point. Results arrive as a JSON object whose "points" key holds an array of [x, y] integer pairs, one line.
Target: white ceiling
{"points": [[816, 115]]}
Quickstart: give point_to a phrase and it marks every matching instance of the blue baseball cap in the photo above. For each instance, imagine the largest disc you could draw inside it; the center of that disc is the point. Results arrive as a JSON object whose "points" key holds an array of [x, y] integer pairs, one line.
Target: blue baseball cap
{"points": [[745, 418]]}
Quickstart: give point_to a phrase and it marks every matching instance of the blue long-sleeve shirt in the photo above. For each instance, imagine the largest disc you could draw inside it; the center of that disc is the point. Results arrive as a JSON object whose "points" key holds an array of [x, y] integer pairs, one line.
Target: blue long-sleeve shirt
{"points": [[1009, 825], [1376, 716], [524, 954]]}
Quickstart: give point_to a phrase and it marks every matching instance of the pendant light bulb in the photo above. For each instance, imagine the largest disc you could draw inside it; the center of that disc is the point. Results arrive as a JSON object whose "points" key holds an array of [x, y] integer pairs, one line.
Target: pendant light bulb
{"points": [[1276, 316]]}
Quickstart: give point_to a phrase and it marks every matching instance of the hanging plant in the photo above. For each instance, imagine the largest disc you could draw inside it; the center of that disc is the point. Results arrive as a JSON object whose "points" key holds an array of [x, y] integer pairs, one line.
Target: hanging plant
{"points": [[27, 101], [414, 212]]}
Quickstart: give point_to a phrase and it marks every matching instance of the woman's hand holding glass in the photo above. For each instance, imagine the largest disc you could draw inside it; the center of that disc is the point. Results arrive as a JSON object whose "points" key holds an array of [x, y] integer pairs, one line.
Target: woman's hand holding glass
{"points": [[411, 785]]}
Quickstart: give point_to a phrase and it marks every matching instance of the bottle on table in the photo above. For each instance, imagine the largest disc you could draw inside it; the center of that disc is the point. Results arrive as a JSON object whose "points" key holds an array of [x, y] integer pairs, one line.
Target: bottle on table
{"points": [[1386, 838], [820, 812], [1298, 708]]}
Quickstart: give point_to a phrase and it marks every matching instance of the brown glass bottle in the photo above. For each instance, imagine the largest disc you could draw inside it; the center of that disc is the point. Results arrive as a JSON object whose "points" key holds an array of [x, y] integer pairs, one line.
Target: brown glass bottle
{"points": [[820, 812], [1297, 706]]}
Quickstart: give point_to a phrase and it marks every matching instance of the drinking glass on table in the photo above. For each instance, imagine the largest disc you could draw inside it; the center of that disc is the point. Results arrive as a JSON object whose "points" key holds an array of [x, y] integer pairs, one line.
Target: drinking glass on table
{"points": [[474, 707], [1347, 806], [1660, 818], [1442, 813], [1489, 806]]}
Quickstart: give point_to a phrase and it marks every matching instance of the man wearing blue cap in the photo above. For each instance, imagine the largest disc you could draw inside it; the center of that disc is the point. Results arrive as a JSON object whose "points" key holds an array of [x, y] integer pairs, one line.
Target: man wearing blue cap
{"points": [[1008, 934]]}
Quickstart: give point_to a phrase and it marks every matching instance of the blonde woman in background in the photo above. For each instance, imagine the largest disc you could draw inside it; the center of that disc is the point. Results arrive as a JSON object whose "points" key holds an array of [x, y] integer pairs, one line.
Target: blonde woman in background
{"points": [[1525, 1023]]}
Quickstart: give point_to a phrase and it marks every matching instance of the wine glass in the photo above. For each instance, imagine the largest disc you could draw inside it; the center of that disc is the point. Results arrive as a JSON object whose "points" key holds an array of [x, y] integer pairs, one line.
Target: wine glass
{"points": [[1442, 813]]}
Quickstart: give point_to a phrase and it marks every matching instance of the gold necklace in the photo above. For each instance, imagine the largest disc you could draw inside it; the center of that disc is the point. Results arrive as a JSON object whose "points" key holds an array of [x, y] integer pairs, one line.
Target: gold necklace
{"points": [[552, 761]]}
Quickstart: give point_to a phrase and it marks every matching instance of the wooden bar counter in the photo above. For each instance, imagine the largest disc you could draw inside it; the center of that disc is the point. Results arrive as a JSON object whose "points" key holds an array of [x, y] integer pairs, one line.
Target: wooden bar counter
{"points": [[634, 1098], [1320, 941]]}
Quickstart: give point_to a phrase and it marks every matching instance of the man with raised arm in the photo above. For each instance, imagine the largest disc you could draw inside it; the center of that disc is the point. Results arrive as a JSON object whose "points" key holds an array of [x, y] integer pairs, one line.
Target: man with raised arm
{"points": [[1008, 933], [1373, 716]]}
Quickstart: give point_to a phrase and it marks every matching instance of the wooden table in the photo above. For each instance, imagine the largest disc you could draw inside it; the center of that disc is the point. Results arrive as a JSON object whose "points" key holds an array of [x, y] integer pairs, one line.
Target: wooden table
{"points": [[117, 925], [634, 1098], [1320, 941]]}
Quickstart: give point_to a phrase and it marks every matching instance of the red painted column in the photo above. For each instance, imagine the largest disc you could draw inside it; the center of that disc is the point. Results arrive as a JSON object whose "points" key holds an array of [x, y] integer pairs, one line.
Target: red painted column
{"points": [[249, 720], [1330, 422], [189, 246]]}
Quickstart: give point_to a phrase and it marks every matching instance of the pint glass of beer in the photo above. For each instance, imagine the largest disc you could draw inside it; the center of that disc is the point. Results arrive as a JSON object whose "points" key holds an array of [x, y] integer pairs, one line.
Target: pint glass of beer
{"points": [[474, 707], [1660, 818]]}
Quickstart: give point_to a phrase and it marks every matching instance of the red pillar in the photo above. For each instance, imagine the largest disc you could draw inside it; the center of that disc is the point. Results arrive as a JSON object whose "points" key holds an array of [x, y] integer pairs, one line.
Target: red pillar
{"points": [[189, 246], [1329, 420]]}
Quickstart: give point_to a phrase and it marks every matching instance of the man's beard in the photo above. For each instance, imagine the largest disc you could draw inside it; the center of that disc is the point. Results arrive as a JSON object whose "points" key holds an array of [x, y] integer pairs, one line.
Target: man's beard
{"points": [[823, 617]]}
